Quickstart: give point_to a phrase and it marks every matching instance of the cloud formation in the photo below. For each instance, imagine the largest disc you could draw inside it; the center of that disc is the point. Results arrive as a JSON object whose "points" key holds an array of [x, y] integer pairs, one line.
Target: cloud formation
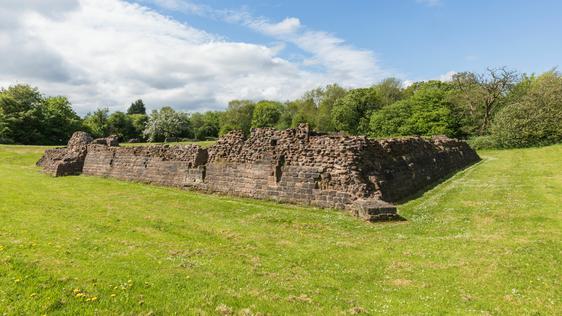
{"points": [[111, 52]]}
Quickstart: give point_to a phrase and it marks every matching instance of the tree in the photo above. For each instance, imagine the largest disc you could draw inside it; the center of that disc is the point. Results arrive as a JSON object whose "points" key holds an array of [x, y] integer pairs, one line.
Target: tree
{"points": [[351, 114], [389, 91], [59, 120], [97, 122], [120, 124], [332, 94], [238, 116], [266, 114], [21, 114], [205, 125], [427, 112], [165, 124], [137, 107], [138, 121], [480, 96], [535, 119]]}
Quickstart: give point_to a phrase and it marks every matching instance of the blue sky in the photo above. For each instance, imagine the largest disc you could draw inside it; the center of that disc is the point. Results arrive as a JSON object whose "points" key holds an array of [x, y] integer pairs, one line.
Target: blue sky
{"points": [[417, 39], [196, 55]]}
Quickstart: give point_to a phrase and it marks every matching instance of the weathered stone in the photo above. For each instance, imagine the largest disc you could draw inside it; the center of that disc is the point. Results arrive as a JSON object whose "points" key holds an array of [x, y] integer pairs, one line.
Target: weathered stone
{"points": [[294, 165]]}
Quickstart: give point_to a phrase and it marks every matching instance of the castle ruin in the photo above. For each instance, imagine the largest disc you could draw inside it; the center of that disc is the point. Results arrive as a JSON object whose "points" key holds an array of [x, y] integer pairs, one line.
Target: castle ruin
{"points": [[353, 173]]}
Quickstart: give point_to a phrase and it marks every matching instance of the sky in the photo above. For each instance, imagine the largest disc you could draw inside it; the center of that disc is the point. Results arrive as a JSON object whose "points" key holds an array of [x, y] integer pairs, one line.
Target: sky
{"points": [[197, 55]]}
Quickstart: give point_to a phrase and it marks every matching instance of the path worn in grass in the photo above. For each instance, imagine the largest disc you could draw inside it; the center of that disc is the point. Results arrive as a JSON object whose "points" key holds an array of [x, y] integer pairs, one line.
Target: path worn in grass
{"points": [[487, 241]]}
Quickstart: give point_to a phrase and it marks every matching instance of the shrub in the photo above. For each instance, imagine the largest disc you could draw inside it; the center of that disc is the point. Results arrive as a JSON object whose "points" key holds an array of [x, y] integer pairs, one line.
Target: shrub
{"points": [[536, 120], [483, 142]]}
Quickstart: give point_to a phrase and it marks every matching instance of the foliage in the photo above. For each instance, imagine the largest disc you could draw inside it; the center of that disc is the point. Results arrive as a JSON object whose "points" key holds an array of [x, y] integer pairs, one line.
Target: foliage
{"points": [[59, 121], [536, 120], [137, 107], [27, 117], [96, 123], [120, 124], [480, 96], [166, 124], [138, 122], [352, 112], [483, 142], [238, 116], [266, 114], [426, 112], [330, 97], [205, 125], [487, 241]]}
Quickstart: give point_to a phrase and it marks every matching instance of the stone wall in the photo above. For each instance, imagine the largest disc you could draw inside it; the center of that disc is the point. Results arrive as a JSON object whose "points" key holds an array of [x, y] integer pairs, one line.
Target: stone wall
{"points": [[294, 165]]}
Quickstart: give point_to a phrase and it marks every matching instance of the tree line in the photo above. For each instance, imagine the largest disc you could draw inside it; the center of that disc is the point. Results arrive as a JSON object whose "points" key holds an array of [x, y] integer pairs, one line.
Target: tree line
{"points": [[498, 108]]}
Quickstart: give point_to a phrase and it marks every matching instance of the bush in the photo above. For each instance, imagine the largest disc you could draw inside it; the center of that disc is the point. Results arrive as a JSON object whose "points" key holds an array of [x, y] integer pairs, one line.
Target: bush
{"points": [[536, 120], [483, 142]]}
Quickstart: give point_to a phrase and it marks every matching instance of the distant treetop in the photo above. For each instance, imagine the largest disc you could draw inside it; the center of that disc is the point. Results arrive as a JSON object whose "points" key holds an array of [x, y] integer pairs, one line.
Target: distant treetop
{"points": [[137, 107]]}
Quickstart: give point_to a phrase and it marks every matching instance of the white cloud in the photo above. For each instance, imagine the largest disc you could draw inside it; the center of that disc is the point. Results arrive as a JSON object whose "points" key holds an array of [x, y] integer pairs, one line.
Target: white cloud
{"points": [[285, 27], [448, 76], [110, 52]]}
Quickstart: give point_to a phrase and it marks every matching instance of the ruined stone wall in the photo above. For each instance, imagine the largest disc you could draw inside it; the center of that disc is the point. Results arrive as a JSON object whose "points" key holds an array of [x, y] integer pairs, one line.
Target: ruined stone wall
{"points": [[294, 165], [161, 164]]}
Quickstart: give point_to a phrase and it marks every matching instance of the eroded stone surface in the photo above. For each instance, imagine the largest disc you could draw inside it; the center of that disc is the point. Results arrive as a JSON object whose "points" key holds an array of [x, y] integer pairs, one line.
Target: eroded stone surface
{"points": [[353, 173]]}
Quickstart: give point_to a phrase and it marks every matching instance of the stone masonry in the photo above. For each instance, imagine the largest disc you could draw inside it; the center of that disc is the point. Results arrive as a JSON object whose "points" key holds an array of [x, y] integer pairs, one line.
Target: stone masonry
{"points": [[353, 173]]}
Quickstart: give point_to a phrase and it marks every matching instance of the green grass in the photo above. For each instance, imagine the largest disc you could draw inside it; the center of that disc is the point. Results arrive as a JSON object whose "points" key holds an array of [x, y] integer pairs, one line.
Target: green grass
{"points": [[487, 241]]}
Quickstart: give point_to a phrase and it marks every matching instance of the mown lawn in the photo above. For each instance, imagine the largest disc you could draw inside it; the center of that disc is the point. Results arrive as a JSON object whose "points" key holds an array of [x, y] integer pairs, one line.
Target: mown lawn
{"points": [[487, 241]]}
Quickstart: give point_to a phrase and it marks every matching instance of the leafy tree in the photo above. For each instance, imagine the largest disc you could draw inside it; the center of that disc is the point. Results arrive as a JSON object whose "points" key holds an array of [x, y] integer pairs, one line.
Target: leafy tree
{"points": [[21, 114], [205, 124], [137, 107], [536, 119], [306, 112], [389, 91], [480, 96], [351, 114], [427, 112], [238, 116], [97, 122], [332, 94], [138, 122], [266, 114], [59, 121], [120, 124], [166, 124]]}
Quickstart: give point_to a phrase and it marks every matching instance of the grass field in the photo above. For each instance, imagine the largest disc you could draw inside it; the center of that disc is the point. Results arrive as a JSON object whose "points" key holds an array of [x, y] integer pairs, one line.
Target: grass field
{"points": [[487, 241]]}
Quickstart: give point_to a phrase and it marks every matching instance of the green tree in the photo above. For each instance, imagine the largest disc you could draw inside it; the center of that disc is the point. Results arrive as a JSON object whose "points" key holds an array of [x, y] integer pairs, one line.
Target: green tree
{"points": [[167, 123], [352, 113], [331, 95], [22, 116], [266, 114], [535, 119], [389, 91], [205, 125], [138, 121], [137, 107], [59, 120], [120, 124], [97, 122], [480, 96], [427, 112], [238, 116]]}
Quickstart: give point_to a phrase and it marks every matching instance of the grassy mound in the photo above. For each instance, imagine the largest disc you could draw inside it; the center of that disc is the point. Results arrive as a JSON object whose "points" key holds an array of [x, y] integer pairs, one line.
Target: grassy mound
{"points": [[486, 241]]}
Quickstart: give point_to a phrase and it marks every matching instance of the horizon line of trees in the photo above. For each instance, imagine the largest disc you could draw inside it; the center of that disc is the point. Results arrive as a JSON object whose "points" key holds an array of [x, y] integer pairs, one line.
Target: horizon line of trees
{"points": [[498, 108]]}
